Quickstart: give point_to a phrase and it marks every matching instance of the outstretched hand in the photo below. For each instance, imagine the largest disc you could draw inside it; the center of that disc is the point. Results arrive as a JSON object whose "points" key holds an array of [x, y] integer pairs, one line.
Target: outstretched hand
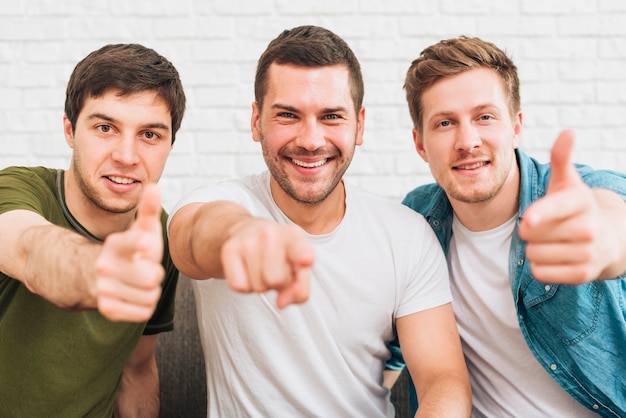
{"points": [[263, 255], [569, 240], [129, 270]]}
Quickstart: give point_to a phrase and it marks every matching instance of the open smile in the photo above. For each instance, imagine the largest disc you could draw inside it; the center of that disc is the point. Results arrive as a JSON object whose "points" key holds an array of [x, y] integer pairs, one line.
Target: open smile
{"points": [[121, 180], [471, 166], [309, 165]]}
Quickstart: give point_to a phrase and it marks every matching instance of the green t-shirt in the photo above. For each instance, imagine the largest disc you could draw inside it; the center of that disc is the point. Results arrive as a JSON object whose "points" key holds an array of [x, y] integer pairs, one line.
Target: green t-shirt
{"points": [[53, 362]]}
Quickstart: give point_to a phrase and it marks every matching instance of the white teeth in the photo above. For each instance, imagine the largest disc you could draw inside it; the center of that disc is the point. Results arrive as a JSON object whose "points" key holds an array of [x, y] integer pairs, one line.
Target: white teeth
{"points": [[470, 167], [310, 165], [121, 180]]}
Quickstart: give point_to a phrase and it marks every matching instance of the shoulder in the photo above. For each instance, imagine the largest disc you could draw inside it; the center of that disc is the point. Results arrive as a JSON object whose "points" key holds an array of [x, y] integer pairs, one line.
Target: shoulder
{"points": [[424, 198], [17, 174], [382, 212], [240, 191], [538, 174], [606, 179], [369, 201], [31, 188]]}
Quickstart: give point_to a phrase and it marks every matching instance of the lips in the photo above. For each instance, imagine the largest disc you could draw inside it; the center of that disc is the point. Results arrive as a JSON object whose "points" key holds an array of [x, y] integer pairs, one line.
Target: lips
{"points": [[309, 165], [121, 180], [471, 166]]}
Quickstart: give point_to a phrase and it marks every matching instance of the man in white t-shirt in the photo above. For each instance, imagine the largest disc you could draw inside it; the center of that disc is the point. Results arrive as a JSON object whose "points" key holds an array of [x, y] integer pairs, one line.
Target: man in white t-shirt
{"points": [[536, 252], [320, 276]]}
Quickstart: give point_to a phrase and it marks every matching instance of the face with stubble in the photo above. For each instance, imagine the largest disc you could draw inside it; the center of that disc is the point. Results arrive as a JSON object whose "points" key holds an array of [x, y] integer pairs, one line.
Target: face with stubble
{"points": [[469, 137], [308, 130]]}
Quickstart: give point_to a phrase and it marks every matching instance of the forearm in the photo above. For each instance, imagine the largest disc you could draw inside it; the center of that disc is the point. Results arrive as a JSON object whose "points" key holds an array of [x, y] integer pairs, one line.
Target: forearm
{"points": [[197, 234], [613, 210], [447, 396], [138, 395], [58, 264]]}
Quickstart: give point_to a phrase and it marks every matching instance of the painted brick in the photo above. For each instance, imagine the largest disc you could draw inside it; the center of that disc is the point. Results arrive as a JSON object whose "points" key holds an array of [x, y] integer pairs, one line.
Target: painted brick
{"points": [[571, 56]]}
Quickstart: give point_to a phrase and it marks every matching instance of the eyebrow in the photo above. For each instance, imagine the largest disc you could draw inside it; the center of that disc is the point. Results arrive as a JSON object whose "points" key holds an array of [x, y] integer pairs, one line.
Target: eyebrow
{"points": [[152, 125], [338, 109], [478, 108]]}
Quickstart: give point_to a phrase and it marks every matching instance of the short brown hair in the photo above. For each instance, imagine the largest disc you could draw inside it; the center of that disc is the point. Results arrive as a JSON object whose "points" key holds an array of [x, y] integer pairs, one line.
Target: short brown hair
{"points": [[309, 46], [128, 68], [454, 56]]}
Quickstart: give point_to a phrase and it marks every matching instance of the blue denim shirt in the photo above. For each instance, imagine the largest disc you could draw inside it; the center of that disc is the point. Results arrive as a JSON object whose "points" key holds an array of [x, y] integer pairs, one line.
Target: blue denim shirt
{"points": [[577, 333]]}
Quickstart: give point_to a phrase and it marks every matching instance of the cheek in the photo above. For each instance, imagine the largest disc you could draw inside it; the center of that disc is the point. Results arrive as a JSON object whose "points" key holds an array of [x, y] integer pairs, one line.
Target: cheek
{"points": [[276, 136], [157, 158], [434, 150]]}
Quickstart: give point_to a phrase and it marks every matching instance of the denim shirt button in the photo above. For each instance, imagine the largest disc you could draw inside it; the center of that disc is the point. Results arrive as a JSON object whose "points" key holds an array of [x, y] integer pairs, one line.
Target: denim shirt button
{"points": [[547, 287], [595, 406], [520, 261], [553, 367]]}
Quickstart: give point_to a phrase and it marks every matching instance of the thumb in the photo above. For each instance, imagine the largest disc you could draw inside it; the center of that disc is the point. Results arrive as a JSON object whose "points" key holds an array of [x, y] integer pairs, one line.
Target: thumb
{"points": [[562, 171], [149, 209]]}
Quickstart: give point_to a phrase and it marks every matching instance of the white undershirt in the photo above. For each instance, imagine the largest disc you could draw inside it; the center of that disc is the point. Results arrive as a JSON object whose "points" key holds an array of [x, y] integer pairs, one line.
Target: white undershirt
{"points": [[507, 380]]}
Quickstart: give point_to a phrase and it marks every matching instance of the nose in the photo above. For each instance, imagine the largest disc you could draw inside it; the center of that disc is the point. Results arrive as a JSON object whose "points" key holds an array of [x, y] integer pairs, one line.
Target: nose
{"points": [[310, 136], [467, 137], [125, 150]]}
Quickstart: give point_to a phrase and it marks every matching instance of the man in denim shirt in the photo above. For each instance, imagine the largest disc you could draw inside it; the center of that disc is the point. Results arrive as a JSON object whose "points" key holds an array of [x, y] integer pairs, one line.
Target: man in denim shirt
{"points": [[536, 252]]}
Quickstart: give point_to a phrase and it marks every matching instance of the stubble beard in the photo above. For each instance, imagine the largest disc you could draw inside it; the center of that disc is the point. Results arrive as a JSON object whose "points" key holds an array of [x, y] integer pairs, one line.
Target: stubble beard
{"points": [[479, 190], [471, 194], [90, 192], [293, 188]]}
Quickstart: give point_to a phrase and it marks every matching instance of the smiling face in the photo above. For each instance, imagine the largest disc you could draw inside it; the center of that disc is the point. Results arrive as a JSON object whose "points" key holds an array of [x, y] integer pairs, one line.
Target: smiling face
{"points": [[119, 143], [469, 137], [308, 131]]}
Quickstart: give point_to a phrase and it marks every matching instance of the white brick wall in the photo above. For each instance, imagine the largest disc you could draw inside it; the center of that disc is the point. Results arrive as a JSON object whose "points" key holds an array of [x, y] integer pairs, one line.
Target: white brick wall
{"points": [[571, 56]]}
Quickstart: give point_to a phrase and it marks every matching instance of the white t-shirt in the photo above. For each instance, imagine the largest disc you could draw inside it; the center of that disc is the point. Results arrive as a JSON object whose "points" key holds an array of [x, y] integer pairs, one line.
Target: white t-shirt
{"points": [[507, 380], [323, 358]]}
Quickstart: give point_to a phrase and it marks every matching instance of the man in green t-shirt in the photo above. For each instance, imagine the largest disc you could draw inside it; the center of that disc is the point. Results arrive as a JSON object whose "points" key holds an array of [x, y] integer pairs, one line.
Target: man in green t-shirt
{"points": [[86, 280]]}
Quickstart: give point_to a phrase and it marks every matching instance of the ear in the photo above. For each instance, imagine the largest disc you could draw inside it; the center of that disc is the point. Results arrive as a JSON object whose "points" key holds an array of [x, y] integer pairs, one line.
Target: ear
{"points": [[419, 145], [360, 127], [68, 131], [517, 129], [255, 121]]}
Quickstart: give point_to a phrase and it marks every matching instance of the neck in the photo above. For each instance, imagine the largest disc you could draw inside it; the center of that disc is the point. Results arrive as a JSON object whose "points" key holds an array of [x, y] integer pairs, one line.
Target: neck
{"points": [[95, 220], [316, 219]]}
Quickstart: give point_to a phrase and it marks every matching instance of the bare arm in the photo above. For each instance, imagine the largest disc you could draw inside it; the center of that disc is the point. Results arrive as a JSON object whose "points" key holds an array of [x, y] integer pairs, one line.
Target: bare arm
{"points": [[222, 240], [613, 213], [197, 233], [432, 350], [138, 395], [36, 251], [121, 277]]}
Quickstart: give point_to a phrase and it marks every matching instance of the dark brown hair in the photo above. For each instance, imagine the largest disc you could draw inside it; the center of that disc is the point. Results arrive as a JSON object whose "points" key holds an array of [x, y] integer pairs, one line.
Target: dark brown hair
{"points": [[309, 46], [127, 68]]}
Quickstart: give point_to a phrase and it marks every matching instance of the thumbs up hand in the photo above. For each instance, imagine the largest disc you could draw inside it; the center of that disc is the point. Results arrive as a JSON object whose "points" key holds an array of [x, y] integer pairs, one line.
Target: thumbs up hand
{"points": [[570, 232]]}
